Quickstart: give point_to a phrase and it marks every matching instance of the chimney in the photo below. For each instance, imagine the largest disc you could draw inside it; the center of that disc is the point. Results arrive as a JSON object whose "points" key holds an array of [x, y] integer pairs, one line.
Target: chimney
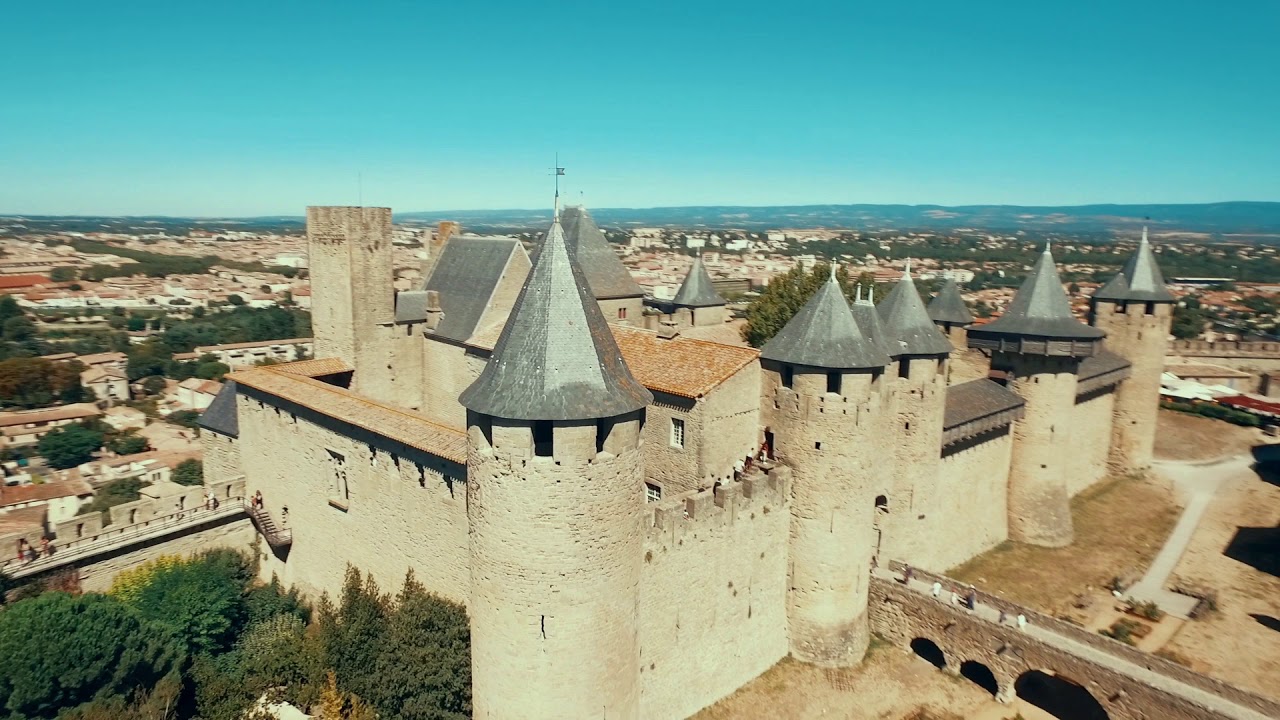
{"points": [[434, 313], [668, 330], [435, 248]]}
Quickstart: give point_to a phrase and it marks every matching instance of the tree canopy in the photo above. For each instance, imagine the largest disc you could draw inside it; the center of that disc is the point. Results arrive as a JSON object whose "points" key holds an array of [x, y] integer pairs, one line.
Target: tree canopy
{"points": [[32, 382], [68, 446]]}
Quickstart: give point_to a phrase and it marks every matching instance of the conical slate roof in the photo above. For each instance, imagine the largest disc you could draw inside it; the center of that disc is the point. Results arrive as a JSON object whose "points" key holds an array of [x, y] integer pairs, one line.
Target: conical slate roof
{"points": [[1140, 279], [825, 335], [696, 290], [556, 358], [221, 416], [864, 313], [949, 307], [605, 273], [907, 322], [1040, 309]]}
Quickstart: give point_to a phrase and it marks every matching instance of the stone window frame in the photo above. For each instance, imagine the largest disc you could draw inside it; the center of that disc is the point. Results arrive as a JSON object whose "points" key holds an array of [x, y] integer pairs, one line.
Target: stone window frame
{"points": [[678, 435], [652, 492], [339, 484]]}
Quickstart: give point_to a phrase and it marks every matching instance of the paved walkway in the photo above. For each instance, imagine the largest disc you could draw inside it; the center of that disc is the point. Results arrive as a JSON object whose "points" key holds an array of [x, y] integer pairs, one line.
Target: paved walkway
{"points": [[1116, 663], [1198, 482]]}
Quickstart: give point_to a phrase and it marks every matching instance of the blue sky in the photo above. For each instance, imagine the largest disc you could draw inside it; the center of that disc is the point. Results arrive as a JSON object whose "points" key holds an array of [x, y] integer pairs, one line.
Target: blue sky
{"points": [[246, 108]]}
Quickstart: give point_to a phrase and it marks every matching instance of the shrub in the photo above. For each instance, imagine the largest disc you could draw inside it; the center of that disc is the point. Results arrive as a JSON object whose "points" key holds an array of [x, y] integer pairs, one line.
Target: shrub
{"points": [[189, 472], [59, 651]]}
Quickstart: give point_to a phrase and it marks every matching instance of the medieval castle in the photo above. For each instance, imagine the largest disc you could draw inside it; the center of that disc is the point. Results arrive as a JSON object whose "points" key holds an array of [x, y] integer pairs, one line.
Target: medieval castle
{"points": [[513, 435]]}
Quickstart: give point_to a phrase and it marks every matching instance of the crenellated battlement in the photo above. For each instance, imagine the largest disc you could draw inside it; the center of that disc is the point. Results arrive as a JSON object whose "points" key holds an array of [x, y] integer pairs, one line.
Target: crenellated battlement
{"points": [[669, 521], [810, 407], [1224, 348]]}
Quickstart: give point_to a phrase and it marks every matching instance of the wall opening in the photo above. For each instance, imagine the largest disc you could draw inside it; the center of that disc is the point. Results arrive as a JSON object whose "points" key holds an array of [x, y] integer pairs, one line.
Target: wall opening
{"points": [[833, 381], [1058, 696], [1151, 308], [543, 438], [929, 650], [904, 368], [788, 376], [980, 675], [603, 427], [882, 503]]}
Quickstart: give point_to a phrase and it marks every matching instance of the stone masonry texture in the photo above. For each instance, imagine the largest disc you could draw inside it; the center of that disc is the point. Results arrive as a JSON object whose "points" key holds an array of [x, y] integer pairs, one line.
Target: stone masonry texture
{"points": [[1140, 337]]}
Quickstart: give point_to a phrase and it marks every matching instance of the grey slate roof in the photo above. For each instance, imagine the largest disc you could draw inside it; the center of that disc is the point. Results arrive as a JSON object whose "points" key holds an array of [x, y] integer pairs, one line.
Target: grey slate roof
{"points": [[1040, 309], [864, 312], [221, 416], [556, 358], [976, 399], [824, 334], [605, 273], [949, 307], [1099, 371], [907, 323], [697, 290], [465, 276], [1140, 280]]}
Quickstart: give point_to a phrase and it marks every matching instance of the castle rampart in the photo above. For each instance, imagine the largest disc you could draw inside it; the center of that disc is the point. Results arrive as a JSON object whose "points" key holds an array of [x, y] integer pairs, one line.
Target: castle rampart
{"points": [[1138, 331], [713, 592]]}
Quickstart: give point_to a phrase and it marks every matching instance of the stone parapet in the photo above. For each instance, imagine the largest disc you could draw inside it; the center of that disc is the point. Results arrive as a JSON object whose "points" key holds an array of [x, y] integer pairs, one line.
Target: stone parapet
{"points": [[670, 520], [1224, 348]]}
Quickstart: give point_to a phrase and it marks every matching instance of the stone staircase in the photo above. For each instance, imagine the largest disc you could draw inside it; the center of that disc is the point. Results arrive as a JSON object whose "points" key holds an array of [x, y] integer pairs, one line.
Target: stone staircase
{"points": [[276, 537]]}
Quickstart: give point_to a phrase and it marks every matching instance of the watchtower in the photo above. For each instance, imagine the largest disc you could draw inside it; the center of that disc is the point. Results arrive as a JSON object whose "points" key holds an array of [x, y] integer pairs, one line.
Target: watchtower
{"points": [[352, 298], [1038, 344], [827, 383], [919, 386], [950, 314], [1136, 309], [698, 298], [555, 498]]}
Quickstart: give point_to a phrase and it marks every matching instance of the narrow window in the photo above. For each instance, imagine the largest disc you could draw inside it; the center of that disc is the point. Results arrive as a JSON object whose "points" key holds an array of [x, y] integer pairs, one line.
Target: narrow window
{"points": [[622, 313], [833, 381], [904, 368], [882, 503], [677, 432], [652, 493], [339, 493], [543, 437], [788, 376], [1151, 308]]}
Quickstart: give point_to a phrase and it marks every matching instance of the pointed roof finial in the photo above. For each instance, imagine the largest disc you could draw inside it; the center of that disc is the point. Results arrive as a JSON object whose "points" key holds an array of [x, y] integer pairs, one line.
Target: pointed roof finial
{"points": [[559, 171], [857, 291], [906, 271], [697, 290], [1048, 247], [1140, 279], [907, 323], [824, 334], [1144, 234], [833, 271]]}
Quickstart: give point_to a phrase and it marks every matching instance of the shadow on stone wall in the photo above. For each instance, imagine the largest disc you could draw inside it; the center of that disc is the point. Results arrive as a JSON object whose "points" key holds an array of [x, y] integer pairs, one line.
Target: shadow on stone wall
{"points": [[1059, 696]]}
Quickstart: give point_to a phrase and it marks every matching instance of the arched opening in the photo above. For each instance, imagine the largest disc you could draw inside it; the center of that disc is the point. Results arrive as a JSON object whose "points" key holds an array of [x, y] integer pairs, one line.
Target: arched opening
{"points": [[980, 675], [930, 651], [882, 503], [1059, 696]]}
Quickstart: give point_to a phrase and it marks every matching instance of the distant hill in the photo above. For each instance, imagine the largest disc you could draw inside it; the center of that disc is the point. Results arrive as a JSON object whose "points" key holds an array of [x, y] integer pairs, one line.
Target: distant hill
{"points": [[1218, 218], [1225, 218]]}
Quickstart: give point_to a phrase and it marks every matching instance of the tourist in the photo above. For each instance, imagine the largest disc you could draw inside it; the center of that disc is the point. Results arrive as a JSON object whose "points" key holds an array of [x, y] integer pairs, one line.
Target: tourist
{"points": [[1022, 621], [738, 469], [257, 499], [907, 574], [284, 517], [44, 547], [937, 589], [22, 549], [973, 598], [1003, 617], [955, 598]]}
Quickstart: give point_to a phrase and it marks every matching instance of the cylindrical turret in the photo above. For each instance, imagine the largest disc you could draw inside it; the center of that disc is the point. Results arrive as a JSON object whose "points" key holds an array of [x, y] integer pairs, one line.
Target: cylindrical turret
{"points": [[555, 531], [554, 503], [1136, 310], [1040, 344], [827, 382]]}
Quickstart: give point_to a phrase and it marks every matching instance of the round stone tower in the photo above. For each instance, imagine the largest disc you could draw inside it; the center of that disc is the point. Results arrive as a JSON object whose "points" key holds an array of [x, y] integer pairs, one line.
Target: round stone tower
{"points": [[827, 382], [554, 505], [1038, 344], [1135, 309], [918, 381]]}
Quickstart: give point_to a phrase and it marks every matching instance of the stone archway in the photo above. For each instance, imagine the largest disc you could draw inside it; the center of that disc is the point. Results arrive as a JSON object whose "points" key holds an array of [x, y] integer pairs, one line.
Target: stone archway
{"points": [[980, 675], [929, 650], [1059, 696]]}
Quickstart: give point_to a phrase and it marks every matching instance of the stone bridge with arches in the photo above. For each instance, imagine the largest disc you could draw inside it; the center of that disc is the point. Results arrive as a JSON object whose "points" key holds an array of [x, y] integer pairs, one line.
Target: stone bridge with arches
{"points": [[1066, 670]]}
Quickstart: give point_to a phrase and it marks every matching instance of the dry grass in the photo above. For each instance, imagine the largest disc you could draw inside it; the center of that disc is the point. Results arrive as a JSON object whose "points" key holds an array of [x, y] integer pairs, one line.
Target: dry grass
{"points": [[1120, 525], [1181, 436], [889, 685], [1240, 642]]}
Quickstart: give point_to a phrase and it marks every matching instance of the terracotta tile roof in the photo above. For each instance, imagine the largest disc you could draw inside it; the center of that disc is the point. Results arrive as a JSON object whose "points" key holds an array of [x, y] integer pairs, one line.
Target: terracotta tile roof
{"points": [[404, 426], [680, 366], [17, 494], [21, 520], [66, 412], [247, 345], [314, 367], [10, 282]]}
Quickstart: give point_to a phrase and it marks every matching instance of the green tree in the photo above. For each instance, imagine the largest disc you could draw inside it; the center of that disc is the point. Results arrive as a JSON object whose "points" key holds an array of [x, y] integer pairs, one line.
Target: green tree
{"points": [[783, 298], [189, 472], [185, 418], [234, 299], [59, 651], [116, 492], [19, 329], [69, 446], [198, 311], [148, 358], [424, 667], [136, 323], [62, 274], [128, 442], [154, 385], [9, 308], [1188, 322], [27, 382], [200, 602], [212, 370]]}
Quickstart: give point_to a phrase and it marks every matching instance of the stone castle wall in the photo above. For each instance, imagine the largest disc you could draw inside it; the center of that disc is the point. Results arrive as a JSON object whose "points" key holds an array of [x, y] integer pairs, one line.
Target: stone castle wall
{"points": [[730, 423], [973, 516], [236, 534], [615, 308], [221, 455], [1091, 438], [713, 593], [1140, 338], [354, 498], [449, 369], [914, 518]]}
